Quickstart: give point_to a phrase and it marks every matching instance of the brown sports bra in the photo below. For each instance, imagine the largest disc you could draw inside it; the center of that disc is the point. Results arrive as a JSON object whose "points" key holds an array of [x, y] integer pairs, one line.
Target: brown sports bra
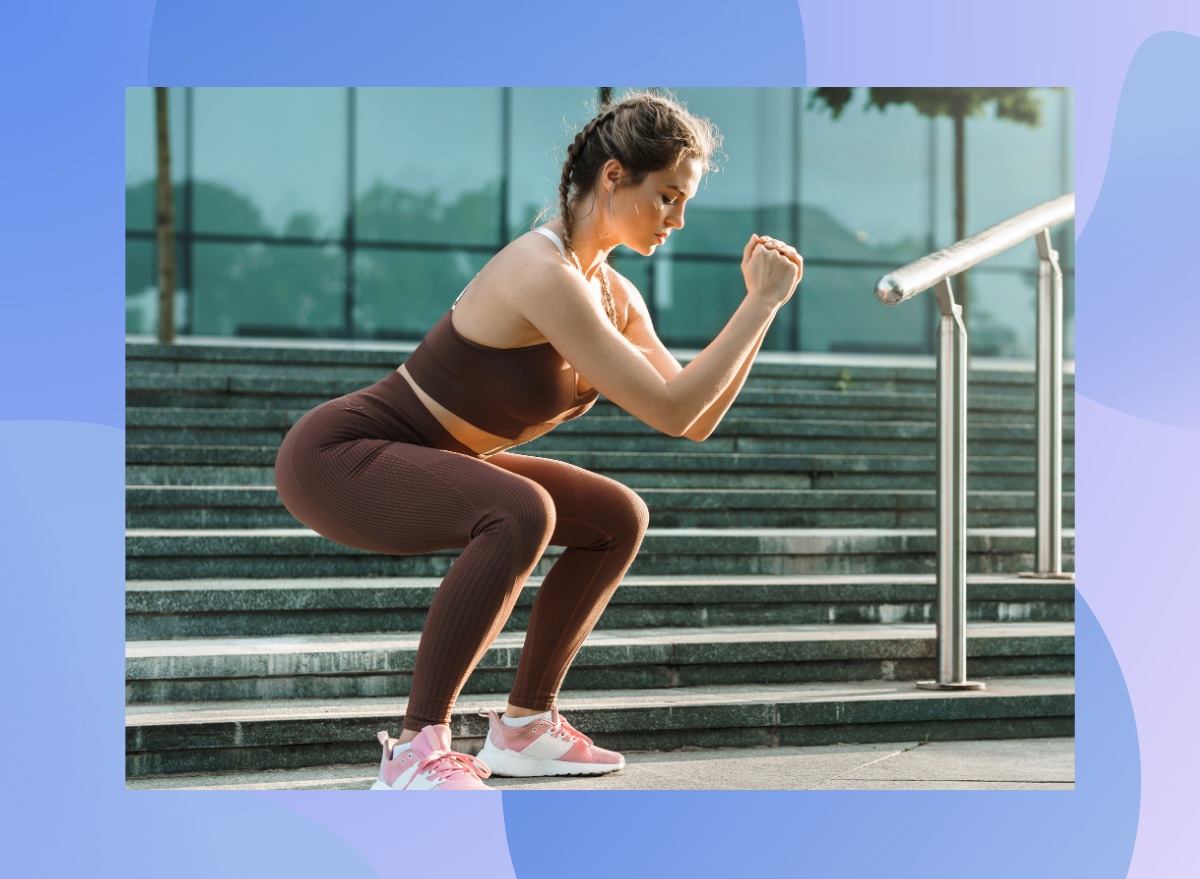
{"points": [[515, 393]]}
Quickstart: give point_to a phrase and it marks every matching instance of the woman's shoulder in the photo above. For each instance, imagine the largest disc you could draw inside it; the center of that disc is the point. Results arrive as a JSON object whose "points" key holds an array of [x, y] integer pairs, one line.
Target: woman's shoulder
{"points": [[531, 251], [627, 297]]}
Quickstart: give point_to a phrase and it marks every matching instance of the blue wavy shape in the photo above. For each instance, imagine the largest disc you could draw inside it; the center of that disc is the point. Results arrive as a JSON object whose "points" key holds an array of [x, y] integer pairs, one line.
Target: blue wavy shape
{"points": [[687, 42], [1137, 320], [984, 834], [62, 562]]}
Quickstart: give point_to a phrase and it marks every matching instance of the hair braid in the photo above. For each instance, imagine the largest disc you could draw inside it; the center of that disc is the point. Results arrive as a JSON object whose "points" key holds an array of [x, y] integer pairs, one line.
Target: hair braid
{"points": [[564, 206], [645, 131]]}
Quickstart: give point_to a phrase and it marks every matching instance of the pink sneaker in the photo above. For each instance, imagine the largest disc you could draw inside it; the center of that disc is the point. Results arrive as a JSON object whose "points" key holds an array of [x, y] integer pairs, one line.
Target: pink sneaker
{"points": [[429, 764], [544, 747]]}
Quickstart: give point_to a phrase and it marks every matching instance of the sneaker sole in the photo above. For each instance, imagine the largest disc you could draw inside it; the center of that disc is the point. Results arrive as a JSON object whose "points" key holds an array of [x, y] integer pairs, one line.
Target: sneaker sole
{"points": [[512, 764], [379, 785]]}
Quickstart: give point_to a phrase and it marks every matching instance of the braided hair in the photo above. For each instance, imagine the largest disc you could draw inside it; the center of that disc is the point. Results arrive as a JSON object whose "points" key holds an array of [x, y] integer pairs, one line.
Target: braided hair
{"points": [[645, 132]]}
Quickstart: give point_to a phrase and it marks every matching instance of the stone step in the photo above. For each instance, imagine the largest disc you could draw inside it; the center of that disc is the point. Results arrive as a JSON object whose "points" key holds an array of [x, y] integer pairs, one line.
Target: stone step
{"points": [[764, 376], [866, 411], [361, 362], [801, 442], [224, 391], [639, 479], [735, 465], [269, 734], [381, 664], [165, 609], [165, 554], [276, 423], [259, 507]]}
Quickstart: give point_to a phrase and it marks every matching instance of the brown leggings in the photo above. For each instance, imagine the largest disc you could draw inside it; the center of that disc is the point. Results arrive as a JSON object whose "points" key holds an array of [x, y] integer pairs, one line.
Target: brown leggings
{"points": [[376, 471]]}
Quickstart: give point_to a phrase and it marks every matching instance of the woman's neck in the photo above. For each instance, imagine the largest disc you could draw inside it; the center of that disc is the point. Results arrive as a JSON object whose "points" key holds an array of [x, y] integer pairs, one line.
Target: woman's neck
{"points": [[590, 244]]}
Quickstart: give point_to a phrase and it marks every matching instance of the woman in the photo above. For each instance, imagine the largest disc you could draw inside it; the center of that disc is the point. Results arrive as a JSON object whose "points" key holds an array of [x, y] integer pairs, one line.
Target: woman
{"points": [[417, 462]]}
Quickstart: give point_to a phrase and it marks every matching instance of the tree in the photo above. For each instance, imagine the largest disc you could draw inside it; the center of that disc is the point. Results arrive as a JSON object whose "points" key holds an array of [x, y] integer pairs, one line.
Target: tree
{"points": [[1015, 104], [164, 223]]}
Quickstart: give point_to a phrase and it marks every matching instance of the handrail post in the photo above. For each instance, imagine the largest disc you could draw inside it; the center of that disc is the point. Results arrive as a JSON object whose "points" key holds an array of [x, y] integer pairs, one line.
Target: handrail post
{"points": [[1048, 491], [951, 498]]}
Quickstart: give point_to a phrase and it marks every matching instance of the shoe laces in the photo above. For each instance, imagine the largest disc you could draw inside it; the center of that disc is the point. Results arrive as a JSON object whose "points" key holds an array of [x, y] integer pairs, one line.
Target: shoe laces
{"points": [[446, 765], [563, 730]]}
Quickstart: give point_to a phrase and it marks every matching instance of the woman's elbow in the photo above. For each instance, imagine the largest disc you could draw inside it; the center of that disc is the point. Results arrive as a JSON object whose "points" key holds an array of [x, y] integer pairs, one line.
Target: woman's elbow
{"points": [[676, 424]]}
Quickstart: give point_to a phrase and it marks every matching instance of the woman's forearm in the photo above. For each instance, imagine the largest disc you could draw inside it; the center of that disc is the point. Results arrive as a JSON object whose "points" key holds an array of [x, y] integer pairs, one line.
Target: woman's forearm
{"points": [[714, 370], [702, 427]]}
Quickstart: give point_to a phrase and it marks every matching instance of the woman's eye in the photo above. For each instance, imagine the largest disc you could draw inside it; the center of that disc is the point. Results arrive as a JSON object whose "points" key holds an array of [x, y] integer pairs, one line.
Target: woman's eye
{"points": [[668, 200]]}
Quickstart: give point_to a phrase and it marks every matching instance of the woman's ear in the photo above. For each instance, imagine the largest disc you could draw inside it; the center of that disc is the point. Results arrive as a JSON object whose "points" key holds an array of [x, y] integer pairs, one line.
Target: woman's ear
{"points": [[612, 173]]}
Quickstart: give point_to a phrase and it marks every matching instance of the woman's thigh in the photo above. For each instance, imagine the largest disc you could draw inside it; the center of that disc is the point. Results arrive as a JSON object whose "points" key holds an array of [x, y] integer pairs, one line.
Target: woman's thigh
{"points": [[591, 510], [402, 498]]}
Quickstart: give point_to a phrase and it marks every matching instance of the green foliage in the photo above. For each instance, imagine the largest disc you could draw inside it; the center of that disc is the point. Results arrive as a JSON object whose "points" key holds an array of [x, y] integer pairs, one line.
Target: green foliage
{"points": [[1015, 104], [261, 287], [844, 381]]}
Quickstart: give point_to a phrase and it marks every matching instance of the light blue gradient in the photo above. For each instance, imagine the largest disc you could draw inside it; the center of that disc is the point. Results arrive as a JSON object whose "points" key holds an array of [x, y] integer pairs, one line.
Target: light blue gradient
{"points": [[61, 356], [1141, 277], [982, 834]]}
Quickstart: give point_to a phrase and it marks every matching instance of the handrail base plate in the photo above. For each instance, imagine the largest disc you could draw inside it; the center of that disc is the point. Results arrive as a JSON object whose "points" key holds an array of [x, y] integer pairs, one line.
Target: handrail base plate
{"points": [[962, 685]]}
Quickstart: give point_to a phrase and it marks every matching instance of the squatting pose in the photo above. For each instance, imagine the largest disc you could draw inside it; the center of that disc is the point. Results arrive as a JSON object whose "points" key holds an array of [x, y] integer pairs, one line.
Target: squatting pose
{"points": [[418, 462]]}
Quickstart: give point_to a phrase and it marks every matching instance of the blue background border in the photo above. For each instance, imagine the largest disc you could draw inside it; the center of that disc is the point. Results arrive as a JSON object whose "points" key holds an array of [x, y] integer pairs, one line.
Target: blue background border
{"points": [[66, 65]]}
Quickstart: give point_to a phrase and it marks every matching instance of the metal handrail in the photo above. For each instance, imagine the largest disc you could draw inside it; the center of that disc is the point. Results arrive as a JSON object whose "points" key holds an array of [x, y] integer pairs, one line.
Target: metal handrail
{"points": [[916, 277], [936, 270]]}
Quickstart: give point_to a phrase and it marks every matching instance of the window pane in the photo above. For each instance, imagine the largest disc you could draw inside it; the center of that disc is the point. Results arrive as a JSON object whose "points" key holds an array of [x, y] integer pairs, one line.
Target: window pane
{"points": [[864, 183], [141, 287], [400, 294], [269, 290], [1002, 315], [754, 188], [695, 299], [1010, 168], [141, 155], [270, 161], [839, 312], [544, 122], [429, 165]]}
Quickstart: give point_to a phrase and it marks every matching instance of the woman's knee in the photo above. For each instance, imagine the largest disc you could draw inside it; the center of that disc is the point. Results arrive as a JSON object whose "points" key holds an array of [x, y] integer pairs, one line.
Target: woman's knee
{"points": [[625, 513], [527, 514]]}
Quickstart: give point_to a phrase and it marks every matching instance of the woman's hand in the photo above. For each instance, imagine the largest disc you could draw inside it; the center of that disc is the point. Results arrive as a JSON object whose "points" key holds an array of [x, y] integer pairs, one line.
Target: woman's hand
{"points": [[772, 269]]}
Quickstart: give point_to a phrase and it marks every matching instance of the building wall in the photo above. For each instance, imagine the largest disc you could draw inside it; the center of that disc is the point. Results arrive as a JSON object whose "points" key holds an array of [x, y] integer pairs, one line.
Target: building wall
{"points": [[362, 213]]}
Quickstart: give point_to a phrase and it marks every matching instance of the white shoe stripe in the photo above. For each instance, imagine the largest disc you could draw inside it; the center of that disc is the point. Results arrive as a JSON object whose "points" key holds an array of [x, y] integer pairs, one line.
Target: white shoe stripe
{"points": [[548, 747]]}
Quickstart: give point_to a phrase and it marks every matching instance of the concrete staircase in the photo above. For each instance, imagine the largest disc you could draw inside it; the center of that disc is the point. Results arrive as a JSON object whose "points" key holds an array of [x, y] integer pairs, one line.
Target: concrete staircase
{"points": [[784, 594]]}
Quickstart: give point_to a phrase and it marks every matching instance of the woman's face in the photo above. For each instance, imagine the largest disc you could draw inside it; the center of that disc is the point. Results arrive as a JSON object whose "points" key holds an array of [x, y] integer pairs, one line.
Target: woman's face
{"points": [[644, 215]]}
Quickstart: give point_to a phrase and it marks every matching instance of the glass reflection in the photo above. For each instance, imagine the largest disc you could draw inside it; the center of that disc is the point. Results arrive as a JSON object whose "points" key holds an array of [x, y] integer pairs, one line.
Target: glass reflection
{"points": [[141, 155], [400, 294], [839, 313], [257, 289], [270, 161], [864, 183], [544, 122], [428, 165], [471, 167]]}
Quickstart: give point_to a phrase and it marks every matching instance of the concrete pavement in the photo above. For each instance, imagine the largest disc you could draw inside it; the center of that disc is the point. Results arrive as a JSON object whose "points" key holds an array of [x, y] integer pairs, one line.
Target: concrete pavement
{"points": [[994, 764]]}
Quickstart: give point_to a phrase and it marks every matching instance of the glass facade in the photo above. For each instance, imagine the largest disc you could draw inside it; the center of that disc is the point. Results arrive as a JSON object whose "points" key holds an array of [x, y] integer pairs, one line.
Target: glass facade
{"points": [[362, 213]]}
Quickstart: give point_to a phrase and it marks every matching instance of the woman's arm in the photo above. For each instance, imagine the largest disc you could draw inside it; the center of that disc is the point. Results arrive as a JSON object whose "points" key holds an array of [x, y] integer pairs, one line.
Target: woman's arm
{"points": [[640, 331], [557, 301]]}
